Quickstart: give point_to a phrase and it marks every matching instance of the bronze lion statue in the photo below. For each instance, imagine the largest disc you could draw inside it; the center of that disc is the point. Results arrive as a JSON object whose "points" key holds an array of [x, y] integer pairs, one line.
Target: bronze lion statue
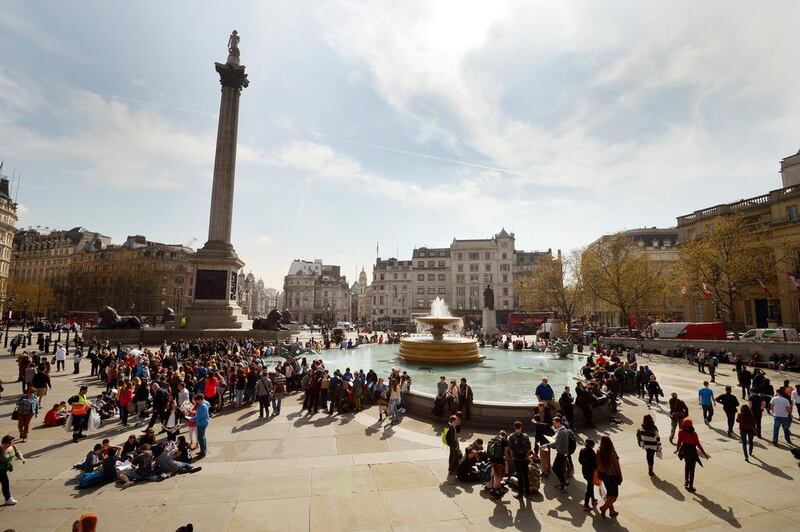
{"points": [[109, 319], [271, 323]]}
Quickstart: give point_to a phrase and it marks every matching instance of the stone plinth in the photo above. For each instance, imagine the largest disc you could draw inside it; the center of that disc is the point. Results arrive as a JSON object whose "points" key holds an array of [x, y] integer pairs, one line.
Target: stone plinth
{"points": [[154, 336], [489, 322]]}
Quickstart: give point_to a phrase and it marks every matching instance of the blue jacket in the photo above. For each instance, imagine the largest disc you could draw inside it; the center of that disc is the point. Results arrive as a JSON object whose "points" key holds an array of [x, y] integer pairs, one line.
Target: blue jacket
{"points": [[201, 416]]}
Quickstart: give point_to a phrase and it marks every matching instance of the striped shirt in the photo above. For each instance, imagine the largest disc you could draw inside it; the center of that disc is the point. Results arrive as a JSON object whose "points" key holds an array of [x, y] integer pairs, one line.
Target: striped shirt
{"points": [[647, 440]]}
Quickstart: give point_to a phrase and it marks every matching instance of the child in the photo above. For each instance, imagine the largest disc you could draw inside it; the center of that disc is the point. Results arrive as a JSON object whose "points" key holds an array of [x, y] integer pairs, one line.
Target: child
{"points": [[588, 460]]}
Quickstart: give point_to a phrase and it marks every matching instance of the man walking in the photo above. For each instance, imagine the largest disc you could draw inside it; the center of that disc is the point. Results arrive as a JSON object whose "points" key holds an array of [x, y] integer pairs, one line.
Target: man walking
{"points": [[745, 380], [678, 411], [706, 401], [160, 402], [61, 357], [519, 444], [782, 414], [757, 406], [730, 404]]}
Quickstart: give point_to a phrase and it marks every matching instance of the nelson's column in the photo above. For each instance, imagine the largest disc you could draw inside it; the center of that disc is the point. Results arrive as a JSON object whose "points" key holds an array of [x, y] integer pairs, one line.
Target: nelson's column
{"points": [[217, 264]]}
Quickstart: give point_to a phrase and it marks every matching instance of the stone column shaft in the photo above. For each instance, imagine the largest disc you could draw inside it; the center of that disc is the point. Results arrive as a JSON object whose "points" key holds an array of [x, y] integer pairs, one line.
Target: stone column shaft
{"points": [[221, 216]]}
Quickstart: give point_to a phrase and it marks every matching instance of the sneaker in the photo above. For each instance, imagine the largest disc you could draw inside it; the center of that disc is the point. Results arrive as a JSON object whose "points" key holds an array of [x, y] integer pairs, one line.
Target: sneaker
{"points": [[11, 501], [195, 469]]}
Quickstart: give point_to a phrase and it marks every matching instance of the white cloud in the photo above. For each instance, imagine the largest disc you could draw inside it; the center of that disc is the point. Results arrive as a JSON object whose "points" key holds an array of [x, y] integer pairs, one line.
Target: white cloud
{"points": [[264, 239]]}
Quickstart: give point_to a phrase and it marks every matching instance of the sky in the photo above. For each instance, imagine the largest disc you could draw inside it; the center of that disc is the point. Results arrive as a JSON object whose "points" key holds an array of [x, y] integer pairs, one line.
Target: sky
{"points": [[391, 125]]}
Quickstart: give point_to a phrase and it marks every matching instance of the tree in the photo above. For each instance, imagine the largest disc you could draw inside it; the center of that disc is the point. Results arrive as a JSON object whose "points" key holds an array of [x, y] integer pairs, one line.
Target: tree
{"points": [[40, 295], [726, 260], [617, 272], [553, 285]]}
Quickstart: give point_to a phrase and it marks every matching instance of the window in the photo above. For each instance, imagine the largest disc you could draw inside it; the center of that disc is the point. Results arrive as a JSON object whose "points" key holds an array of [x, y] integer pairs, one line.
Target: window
{"points": [[460, 278], [460, 304], [474, 255], [505, 303], [421, 290], [473, 290], [421, 253], [421, 277], [420, 302], [505, 277], [381, 277], [394, 275], [487, 267], [655, 243], [381, 300], [405, 275], [473, 278], [505, 255], [487, 277], [441, 264], [792, 214], [431, 290], [421, 264], [505, 291], [461, 290], [441, 277], [431, 263], [460, 256], [431, 276], [487, 255], [474, 267], [460, 268], [441, 290]]}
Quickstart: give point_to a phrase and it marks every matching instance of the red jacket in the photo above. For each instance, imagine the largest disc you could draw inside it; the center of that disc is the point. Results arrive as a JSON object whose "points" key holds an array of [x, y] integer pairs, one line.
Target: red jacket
{"points": [[689, 438]]}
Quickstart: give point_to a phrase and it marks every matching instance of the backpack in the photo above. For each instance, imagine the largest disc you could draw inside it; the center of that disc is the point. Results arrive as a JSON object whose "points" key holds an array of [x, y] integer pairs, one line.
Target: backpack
{"points": [[444, 435], [573, 443], [494, 451], [520, 444]]}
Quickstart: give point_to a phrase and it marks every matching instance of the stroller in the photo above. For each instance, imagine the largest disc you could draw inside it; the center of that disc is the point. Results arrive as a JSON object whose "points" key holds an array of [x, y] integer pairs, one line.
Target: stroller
{"points": [[106, 407]]}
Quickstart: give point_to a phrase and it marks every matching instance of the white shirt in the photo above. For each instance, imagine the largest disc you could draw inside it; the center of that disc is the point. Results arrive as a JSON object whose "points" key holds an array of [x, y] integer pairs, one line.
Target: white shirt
{"points": [[795, 397], [61, 354], [780, 406]]}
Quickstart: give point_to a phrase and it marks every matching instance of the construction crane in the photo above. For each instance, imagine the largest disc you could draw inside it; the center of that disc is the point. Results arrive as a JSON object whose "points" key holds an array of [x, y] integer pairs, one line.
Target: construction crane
{"points": [[192, 241]]}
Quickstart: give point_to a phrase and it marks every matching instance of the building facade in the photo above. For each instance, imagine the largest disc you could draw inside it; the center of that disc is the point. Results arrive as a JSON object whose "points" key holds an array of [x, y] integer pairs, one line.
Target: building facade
{"points": [[317, 293], [392, 290], [138, 277], [41, 266], [364, 300], [458, 274], [777, 303], [8, 222]]}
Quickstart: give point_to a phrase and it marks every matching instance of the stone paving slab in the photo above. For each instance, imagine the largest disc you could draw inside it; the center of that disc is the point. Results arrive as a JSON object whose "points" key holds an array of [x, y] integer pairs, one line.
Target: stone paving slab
{"points": [[292, 472]]}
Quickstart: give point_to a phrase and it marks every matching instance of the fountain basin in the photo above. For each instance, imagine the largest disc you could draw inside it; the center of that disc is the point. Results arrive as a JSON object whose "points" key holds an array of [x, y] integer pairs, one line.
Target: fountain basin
{"points": [[449, 351]]}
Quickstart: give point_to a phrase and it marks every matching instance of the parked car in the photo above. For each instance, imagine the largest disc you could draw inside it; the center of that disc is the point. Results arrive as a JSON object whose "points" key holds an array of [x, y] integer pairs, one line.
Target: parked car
{"points": [[771, 335]]}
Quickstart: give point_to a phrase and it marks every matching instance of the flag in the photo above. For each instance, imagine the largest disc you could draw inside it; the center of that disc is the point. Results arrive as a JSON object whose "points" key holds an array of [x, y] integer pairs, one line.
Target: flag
{"points": [[793, 280], [706, 291], [1, 166], [764, 286]]}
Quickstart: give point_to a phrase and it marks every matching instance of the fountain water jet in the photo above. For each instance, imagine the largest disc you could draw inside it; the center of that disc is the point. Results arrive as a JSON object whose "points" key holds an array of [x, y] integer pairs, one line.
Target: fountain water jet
{"points": [[438, 349]]}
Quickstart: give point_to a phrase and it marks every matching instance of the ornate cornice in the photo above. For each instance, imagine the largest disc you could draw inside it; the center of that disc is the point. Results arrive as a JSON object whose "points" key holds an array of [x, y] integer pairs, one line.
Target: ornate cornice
{"points": [[231, 75]]}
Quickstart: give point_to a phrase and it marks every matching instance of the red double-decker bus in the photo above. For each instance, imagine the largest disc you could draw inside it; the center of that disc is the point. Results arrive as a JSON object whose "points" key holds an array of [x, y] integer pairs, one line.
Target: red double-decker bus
{"points": [[527, 322]]}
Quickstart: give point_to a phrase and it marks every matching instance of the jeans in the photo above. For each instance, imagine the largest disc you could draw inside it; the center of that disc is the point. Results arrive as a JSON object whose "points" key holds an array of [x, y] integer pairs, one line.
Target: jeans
{"points": [[784, 422], [757, 417], [589, 492], [689, 465], [708, 413], [77, 425], [201, 439], [263, 405], [60, 364], [77, 366], [747, 441], [123, 414], [745, 392], [239, 397], [276, 403], [6, 485], [521, 467], [393, 407]]}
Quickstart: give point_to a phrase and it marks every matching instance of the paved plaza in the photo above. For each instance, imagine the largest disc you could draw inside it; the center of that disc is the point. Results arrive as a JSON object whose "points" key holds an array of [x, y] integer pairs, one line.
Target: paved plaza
{"points": [[354, 473]]}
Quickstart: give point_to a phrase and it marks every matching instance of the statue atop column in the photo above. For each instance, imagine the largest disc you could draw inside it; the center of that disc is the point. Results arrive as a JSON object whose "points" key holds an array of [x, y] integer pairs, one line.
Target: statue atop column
{"points": [[488, 297], [233, 48]]}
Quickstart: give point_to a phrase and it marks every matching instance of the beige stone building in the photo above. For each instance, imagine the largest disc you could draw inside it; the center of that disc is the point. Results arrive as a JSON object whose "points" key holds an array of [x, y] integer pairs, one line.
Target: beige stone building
{"points": [[138, 277], [392, 291], [8, 222], [660, 247], [364, 299], [317, 293], [41, 265], [776, 304], [432, 278]]}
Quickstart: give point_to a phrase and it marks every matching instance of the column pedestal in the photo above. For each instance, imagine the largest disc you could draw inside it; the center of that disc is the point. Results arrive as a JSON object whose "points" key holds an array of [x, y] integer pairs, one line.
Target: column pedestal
{"points": [[489, 322]]}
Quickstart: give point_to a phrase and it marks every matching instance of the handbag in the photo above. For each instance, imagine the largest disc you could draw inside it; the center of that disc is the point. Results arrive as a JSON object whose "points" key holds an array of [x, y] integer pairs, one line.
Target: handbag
{"points": [[681, 453], [15, 414]]}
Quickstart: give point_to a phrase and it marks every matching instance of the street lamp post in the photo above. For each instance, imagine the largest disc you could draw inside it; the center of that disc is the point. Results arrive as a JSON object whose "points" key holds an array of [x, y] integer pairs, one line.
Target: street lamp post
{"points": [[10, 303]]}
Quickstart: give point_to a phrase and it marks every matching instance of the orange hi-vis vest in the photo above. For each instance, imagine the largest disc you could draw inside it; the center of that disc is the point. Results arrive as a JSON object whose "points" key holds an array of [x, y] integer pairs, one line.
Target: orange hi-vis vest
{"points": [[79, 407]]}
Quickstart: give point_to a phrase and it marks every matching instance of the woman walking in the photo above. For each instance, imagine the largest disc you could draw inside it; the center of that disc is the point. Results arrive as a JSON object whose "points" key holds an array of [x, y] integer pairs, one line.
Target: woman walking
{"points": [[688, 445], [747, 429], [610, 474], [649, 440], [381, 399], [7, 453]]}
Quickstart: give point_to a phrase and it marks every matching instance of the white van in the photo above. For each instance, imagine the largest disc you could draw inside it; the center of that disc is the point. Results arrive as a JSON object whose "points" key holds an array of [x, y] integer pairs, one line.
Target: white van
{"points": [[771, 335], [346, 325]]}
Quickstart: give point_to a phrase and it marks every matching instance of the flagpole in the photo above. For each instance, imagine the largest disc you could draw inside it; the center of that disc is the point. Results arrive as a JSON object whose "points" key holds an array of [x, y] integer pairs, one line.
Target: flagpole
{"points": [[17, 193]]}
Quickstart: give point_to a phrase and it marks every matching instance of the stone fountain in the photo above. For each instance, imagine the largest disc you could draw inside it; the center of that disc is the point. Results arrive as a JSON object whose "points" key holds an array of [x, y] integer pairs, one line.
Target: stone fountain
{"points": [[438, 349]]}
